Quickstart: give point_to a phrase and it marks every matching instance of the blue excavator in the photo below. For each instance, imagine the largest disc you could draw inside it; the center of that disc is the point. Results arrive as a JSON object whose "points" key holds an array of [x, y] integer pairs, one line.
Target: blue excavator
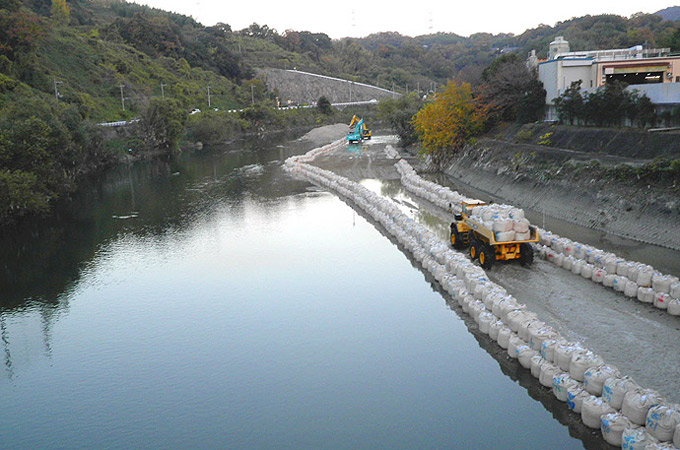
{"points": [[358, 130]]}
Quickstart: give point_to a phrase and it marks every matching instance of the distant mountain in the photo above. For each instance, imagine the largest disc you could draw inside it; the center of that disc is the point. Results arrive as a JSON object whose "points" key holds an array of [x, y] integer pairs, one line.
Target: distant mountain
{"points": [[670, 13]]}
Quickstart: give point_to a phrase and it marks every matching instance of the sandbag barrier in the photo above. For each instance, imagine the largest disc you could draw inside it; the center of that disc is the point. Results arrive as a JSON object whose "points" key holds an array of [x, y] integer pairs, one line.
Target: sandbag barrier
{"points": [[632, 279], [627, 414]]}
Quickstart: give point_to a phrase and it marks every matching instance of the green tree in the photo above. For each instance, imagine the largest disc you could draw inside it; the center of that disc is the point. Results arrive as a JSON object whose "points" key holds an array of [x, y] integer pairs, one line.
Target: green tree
{"points": [[570, 104], [163, 123], [449, 122], [512, 91], [399, 112], [324, 106], [61, 13]]}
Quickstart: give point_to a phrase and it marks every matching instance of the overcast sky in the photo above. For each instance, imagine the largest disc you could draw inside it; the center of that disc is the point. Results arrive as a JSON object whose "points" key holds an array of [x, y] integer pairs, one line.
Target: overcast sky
{"points": [[357, 19]]}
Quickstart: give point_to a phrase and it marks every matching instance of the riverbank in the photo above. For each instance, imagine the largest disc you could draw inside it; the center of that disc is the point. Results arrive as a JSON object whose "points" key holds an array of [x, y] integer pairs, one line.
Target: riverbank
{"points": [[573, 186]]}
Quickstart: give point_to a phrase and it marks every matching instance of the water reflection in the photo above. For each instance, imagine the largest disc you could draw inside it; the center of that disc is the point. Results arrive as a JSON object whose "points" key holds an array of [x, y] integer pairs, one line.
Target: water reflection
{"points": [[44, 261]]}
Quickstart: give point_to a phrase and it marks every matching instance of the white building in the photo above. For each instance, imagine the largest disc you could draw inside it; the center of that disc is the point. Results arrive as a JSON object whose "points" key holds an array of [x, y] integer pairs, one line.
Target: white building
{"points": [[650, 71]]}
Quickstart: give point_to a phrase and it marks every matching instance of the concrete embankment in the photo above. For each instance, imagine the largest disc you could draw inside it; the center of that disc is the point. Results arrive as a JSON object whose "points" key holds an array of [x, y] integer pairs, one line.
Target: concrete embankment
{"points": [[560, 184]]}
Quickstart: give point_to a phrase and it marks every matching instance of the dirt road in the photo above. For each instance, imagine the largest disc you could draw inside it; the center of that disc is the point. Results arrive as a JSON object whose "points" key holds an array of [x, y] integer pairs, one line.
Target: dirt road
{"points": [[638, 338]]}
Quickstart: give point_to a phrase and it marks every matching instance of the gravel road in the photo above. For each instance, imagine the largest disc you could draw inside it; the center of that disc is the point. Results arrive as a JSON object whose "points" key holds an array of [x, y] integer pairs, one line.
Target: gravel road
{"points": [[639, 339]]}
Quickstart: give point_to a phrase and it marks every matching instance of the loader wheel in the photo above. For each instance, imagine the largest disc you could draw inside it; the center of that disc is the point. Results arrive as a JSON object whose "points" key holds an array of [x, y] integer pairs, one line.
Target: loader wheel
{"points": [[456, 238], [486, 257], [526, 254], [474, 250]]}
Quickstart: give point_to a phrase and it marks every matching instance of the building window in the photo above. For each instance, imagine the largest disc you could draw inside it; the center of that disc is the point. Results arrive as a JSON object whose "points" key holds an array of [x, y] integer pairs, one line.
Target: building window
{"points": [[677, 79]]}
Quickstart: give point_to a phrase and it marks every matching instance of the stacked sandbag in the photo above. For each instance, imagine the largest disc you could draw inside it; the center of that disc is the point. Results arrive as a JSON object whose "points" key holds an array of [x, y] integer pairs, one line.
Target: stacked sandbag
{"points": [[506, 222], [560, 364], [613, 425], [636, 404], [662, 420], [634, 280]]}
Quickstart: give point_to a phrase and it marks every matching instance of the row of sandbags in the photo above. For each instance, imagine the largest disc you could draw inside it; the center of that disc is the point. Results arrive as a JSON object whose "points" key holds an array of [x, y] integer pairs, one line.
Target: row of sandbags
{"points": [[575, 374], [441, 196], [632, 279], [506, 222]]}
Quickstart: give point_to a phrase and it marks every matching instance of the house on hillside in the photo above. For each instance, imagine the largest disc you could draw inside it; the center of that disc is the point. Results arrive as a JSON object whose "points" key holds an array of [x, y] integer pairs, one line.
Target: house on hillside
{"points": [[654, 72]]}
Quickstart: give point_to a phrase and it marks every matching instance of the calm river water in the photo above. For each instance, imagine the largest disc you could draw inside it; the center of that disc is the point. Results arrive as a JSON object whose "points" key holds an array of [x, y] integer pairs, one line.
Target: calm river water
{"points": [[209, 303]]}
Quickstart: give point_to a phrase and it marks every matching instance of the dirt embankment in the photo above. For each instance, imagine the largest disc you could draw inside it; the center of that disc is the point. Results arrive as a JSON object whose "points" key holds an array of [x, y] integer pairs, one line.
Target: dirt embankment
{"points": [[574, 185]]}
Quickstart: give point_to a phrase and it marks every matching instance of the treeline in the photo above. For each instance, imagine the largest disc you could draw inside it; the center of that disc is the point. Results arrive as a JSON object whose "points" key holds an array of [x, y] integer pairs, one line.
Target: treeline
{"points": [[611, 105]]}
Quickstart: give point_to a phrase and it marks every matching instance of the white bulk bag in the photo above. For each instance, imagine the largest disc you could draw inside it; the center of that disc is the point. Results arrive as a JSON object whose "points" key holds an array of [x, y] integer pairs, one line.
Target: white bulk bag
{"points": [[504, 236], [513, 343], [615, 388], [661, 300], [630, 289], [582, 361], [610, 265], [548, 371], [592, 409], [561, 384], [538, 335], [619, 283], [518, 317], [563, 352], [622, 268], [575, 396], [524, 355], [676, 436], [568, 262], [608, 280], [598, 275], [525, 328], [645, 278], [577, 266], [504, 337], [662, 421], [536, 362], [661, 283], [485, 320], [594, 378], [494, 328], [522, 236], [674, 307], [501, 225], [548, 349], [521, 225], [587, 270], [636, 438], [645, 294], [476, 307], [612, 427], [675, 290], [636, 404], [558, 260]]}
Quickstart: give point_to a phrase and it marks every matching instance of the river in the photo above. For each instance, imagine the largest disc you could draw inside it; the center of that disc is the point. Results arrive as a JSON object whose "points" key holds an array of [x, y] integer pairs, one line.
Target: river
{"points": [[214, 302]]}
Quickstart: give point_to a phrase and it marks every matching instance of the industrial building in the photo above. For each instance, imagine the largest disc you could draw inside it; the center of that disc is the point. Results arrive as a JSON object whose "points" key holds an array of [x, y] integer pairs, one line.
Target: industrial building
{"points": [[654, 72]]}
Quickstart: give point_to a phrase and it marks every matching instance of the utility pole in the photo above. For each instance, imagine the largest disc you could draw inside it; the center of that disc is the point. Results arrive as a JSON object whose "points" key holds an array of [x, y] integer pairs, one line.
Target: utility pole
{"points": [[163, 90], [122, 96], [418, 89], [209, 96], [350, 92], [56, 90], [252, 95]]}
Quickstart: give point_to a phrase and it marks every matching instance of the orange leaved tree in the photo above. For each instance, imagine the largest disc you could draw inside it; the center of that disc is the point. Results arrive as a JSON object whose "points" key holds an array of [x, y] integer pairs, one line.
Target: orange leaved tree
{"points": [[446, 124]]}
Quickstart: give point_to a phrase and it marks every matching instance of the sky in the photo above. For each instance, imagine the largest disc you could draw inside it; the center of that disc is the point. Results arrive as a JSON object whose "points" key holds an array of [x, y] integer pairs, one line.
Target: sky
{"points": [[358, 19]]}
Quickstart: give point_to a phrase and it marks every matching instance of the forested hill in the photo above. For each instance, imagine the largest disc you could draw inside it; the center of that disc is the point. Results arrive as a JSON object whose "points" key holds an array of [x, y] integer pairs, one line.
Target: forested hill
{"points": [[66, 65]]}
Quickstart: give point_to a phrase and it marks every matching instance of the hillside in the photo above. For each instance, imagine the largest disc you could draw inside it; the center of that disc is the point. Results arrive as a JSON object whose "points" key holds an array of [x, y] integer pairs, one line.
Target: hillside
{"points": [[66, 65], [670, 13]]}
